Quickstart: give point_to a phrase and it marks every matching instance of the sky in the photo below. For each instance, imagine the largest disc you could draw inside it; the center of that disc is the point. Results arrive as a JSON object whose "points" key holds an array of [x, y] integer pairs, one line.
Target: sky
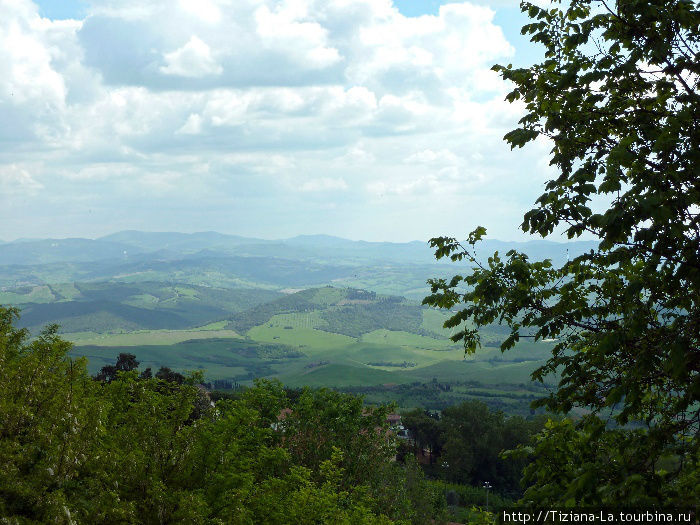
{"points": [[367, 119]]}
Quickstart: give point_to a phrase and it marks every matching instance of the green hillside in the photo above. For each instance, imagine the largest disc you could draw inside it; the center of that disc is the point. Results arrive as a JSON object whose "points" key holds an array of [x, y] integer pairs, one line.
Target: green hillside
{"points": [[341, 375], [111, 307]]}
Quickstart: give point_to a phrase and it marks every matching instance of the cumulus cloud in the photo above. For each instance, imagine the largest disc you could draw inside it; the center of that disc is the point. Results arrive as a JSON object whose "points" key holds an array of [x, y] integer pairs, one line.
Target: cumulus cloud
{"points": [[193, 59], [216, 102]]}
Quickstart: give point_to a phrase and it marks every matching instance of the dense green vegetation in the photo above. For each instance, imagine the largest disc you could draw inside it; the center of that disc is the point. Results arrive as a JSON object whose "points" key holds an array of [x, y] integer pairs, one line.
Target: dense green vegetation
{"points": [[133, 449], [465, 441], [617, 94], [389, 313]]}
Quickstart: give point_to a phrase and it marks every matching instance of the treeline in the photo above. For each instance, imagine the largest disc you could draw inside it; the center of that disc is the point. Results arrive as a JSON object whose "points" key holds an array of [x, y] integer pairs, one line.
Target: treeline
{"points": [[137, 447]]}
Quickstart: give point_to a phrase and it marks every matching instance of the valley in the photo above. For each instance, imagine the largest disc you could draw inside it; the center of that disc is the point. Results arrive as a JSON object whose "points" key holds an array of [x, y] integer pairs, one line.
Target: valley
{"points": [[385, 347], [310, 311]]}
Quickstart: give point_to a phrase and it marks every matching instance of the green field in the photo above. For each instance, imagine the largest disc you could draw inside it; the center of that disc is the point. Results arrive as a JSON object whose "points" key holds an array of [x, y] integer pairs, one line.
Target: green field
{"points": [[480, 371], [310, 340], [146, 337], [33, 294], [342, 375], [396, 338]]}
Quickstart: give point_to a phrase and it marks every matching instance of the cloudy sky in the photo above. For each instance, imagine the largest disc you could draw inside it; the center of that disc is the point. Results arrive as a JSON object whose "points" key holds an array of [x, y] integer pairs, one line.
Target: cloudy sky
{"points": [[367, 119]]}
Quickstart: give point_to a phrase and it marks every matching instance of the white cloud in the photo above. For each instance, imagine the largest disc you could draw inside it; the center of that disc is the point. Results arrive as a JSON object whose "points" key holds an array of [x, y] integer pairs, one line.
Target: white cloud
{"points": [[254, 101], [15, 179], [194, 59], [288, 28], [193, 126], [205, 10]]}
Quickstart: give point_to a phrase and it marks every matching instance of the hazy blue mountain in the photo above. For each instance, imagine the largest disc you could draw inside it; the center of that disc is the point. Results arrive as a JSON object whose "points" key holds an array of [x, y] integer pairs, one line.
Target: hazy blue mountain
{"points": [[179, 242], [230, 261], [322, 249], [537, 250], [210, 269], [31, 252], [419, 252]]}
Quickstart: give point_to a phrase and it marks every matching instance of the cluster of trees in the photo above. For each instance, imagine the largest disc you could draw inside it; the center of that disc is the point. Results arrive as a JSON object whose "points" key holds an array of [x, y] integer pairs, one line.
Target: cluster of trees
{"points": [[132, 448], [617, 97], [403, 364], [389, 313], [465, 441], [293, 303], [356, 294]]}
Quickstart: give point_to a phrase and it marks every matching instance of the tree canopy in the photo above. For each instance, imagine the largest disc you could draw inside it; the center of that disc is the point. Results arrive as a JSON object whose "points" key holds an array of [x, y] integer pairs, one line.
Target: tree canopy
{"points": [[617, 98]]}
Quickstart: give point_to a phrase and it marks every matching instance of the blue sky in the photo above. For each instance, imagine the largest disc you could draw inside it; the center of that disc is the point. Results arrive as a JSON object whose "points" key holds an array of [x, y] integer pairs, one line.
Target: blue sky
{"points": [[368, 119]]}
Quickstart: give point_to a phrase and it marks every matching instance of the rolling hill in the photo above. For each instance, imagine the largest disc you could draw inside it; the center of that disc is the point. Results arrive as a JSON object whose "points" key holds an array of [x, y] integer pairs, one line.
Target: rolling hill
{"points": [[114, 307]]}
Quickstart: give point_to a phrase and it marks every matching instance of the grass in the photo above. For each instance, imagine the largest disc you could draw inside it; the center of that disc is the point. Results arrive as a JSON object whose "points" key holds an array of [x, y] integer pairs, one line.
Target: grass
{"points": [[398, 338], [327, 296], [309, 340], [143, 300], [66, 291], [146, 337], [218, 325], [296, 320], [35, 294], [339, 375], [433, 321], [483, 372]]}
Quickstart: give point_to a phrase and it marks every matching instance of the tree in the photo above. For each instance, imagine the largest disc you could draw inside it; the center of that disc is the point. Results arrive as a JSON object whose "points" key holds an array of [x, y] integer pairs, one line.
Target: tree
{"points": [[165, 374], [48, 422], [125, 363], [617, 97], [425, 430]]}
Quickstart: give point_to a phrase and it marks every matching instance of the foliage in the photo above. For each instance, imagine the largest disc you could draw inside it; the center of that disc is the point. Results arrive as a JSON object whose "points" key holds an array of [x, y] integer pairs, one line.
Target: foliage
{"points": [[617, 96], [468, 439], [390, 313], [126, 362], [143, 450]]}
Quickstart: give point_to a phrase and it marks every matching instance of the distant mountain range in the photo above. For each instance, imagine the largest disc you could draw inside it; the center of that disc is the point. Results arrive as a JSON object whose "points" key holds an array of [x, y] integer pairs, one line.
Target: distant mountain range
{"points": [[133, 246]]}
